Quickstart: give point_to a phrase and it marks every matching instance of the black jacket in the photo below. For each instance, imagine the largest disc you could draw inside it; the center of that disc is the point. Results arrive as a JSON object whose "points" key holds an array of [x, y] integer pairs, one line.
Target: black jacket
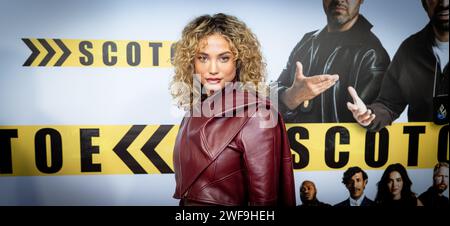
{"points": [[346, 203], [410, 81], [431, 198], [314, 203], [356, 55]]}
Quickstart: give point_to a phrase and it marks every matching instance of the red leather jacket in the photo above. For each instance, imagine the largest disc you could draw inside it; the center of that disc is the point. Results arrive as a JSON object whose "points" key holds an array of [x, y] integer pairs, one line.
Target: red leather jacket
{"points": [[234, 161]]}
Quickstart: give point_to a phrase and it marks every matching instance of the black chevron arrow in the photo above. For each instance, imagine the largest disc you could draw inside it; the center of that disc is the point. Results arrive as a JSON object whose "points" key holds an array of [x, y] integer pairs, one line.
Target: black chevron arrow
{"points": [[50, 52], [149, 148], [34, 52], [66, 52], [121, 149]]}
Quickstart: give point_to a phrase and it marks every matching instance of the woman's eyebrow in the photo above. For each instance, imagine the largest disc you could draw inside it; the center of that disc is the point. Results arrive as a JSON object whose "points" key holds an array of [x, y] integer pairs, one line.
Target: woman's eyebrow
{"points": [[225, 53], [220, 54]]}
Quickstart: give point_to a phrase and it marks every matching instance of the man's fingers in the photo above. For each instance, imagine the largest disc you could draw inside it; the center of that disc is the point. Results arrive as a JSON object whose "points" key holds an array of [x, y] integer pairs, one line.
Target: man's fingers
{"points": [[329, 83], [369, 120], [335, 77], [319, 79], [365, 116], [352, 107], [299, 72], [353, 94], [362, 118], [319, 87], [323, 87]]}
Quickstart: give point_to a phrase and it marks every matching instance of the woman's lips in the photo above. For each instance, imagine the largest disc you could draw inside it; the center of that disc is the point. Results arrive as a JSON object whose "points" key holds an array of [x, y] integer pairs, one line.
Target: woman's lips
{"points": [[213, 80]]}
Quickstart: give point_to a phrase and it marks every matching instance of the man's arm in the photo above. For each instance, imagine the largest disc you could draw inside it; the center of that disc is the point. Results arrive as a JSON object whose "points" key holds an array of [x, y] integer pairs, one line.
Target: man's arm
{"points": [[370, 74], [390, 102], [294, 89]]}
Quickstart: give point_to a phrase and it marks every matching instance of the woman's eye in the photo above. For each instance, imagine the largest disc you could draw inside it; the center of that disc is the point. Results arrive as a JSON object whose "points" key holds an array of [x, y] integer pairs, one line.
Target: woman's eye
{"points": [[224, 59], [202, 59]]}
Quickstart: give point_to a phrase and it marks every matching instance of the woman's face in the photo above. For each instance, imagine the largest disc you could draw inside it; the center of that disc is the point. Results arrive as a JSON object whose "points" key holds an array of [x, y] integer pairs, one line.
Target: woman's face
{"points": [[395, 184], [214, 63]]}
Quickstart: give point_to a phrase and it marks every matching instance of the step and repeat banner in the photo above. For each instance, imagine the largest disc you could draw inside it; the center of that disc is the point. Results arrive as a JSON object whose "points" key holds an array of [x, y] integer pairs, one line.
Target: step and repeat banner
{"points": [[147, 149], [86, 117]]}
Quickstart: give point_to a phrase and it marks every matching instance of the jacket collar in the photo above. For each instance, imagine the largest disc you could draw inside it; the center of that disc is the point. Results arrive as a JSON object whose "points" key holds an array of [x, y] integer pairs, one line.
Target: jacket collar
{"points": [[231, 98], [426, 36], [237, 106], [215, 135]]}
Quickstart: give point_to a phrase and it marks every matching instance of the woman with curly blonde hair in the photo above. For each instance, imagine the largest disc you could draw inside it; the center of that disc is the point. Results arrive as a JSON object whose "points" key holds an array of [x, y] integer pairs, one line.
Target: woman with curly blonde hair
{"points": [[234, 152], [244, 48]]}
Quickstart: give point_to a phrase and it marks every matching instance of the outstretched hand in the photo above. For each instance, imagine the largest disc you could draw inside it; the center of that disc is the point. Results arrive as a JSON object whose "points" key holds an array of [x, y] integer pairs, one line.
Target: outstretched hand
{"points": [[359, 110], [306, 88]]}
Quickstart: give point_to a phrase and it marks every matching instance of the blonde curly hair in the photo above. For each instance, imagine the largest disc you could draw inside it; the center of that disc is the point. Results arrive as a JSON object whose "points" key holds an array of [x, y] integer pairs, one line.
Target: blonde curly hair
{"points": [[251, 68]]}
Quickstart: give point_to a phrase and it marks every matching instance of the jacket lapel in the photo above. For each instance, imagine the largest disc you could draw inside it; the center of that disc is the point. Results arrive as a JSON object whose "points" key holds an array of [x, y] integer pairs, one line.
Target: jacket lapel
{"points": [[208, 136]]}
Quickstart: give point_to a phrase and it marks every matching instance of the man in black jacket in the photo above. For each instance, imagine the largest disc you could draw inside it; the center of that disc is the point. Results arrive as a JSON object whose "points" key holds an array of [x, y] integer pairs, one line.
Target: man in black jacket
{"points": [[308, 195], [417, 77], [312, 87], [434, 196], [355, 180]]}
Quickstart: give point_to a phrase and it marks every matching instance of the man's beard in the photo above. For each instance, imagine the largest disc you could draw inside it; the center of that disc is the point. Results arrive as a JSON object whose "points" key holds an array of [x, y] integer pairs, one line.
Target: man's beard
{"points": [[334, 18], [441, 188], [440, 25], [339, 20]]}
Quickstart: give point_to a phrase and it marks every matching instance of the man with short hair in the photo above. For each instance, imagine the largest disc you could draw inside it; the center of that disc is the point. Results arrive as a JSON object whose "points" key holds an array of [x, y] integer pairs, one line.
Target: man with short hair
{"points": [[344, 53], [417, 77], [355, 180], [308, 195], [434, 197]]}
